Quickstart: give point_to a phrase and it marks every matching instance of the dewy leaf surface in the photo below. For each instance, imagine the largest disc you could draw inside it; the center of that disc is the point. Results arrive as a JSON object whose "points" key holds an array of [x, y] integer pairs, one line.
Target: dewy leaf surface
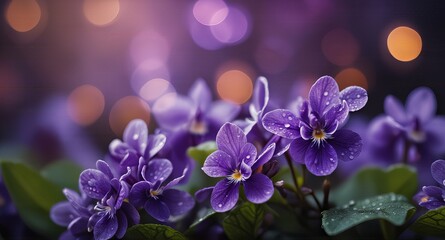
{"points": [[431, 223], [391, 207], [243, 222], [153, 231]]}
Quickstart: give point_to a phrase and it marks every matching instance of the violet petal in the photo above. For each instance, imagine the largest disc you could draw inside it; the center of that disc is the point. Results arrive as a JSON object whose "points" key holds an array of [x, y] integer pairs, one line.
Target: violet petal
{"points": [[260, 94], [265, 156], [157, 209], [178, 202], [224, 196], [298, 148], [356, 97], [203, 194], [62, 213], [105, 228], [131, 212], [155, 143], [158, 170], [321, 160], [94, 183], [139, 194], [221, 112], [438, 171], [421, 103], [394, 109], [248, 154], [219, 164], [135, 135], [258, 188], [231, 139], [347, 144], [122, 224], [282, 122], [324, 94], [200, 94]]}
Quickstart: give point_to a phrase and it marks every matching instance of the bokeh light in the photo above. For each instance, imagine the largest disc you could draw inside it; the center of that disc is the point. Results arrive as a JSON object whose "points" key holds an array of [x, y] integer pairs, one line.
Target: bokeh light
{"points": [[234, 86], [340, 47], [234, 29], [11, 86], [23, 15], [149, 46], [85, 104], [165, 102], [155, 88], [273, 54], [101, 12], [351, 76], [210, 12], [145, 72], [404, 44], [125, 110]]}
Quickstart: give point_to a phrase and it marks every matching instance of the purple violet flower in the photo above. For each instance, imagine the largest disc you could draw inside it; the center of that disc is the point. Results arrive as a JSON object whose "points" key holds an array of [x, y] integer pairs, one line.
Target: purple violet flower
{"points": [[112, 215], [236, 160], [317, 141], [160, 201], [73, 214], [411, 132], [433, 197]]}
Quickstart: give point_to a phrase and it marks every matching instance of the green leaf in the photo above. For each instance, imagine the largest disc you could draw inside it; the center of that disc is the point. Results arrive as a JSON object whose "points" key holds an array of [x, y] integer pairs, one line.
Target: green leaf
{"points": [[63, 173], [244, 221], [202, 215], [391, 207], [200, 152], [398, 179], [432, 223], [33, 196], [153, 231]]}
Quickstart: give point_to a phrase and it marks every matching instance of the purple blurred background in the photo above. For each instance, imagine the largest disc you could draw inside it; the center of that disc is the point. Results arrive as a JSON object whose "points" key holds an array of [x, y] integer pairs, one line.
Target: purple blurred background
{"points": [[93, 65]]}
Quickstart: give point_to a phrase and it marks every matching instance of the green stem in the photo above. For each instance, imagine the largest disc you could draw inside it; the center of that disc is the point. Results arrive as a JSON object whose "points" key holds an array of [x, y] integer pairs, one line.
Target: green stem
{"points": [[405, 156], [294, 178]]}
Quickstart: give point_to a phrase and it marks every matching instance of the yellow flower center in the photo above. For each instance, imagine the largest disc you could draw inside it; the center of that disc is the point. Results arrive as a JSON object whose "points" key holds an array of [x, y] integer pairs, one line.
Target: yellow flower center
{"points": [[198, 127], [424, 199], [318, 134], [236, 175]]}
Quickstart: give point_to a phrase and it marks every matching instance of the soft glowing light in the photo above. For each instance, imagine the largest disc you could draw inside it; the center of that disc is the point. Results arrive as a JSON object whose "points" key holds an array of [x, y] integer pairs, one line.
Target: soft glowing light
{"points": [[155, 88], [203, 37], [233, 29], [210, 12], [101, 12], [125, 110], [273, 54], [235, 86], [165, 102], [149, 46], [145, 72], [351, 76], [85, 104], [404, 44], [340, 47], [23, 15]]}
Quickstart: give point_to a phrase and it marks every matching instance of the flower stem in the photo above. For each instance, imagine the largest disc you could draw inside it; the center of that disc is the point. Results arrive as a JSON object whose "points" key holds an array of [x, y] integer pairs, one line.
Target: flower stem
{"points": [[405, 156], [293, 173]]}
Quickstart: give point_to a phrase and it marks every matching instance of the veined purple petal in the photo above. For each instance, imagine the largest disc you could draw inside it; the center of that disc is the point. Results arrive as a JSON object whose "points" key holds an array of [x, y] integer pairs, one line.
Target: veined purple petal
{"points": [[139, 193], [321, 161], [394, 109], [155, 143], [62, 213], [219, 164], [260, 94], [338, 113], [158, 170], [421, 103], [356, 97], [298, 148], [119, 149], [224, 196], [258, 188], [94, 183], [105, 228], [131, 212], [122, 224], [200, 94], [438, 171], [304, 113], [221, 112], [432, 203], [157, 209], [347, 144], [135, 135], [124, 191], [79, 226], [105, 168], [248, 154], [203, 194], [175, 181], [231, 139], [76, 202], [265, 156], [324, 94], [282, 122], [130, 159], [178, 202], [331, 126], [67, 235]]}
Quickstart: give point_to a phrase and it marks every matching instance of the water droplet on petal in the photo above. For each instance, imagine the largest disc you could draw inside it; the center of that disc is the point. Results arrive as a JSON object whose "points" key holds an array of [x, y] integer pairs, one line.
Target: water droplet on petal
{"points": [[180, 203], [358, 96], [327, 103], [290, 118], [220, 205], [325, 94], [286, 125], [351, 157], [135, 136]]}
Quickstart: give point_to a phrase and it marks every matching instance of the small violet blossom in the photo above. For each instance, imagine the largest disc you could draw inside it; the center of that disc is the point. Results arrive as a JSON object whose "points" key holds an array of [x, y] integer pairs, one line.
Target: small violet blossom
{"points": [[433, 197], [160, 201], [73, 214], [236, 160], [112, 215], [411, 132], [317, 140]]}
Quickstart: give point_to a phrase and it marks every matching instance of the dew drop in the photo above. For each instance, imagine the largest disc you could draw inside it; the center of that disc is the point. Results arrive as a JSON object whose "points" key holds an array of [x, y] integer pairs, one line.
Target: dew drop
{"points": [[135, 136], [290, 118], [351, 157], [351, 202], [248, 156], [180, 203], [325, 94], [283, 114], [220, 205], [378, 209], [286, 125], [327, 103], [358, 96]]}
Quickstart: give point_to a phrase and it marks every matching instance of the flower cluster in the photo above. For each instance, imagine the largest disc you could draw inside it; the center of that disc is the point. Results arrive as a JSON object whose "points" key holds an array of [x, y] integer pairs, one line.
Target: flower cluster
{"points": [[135, 183]]}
